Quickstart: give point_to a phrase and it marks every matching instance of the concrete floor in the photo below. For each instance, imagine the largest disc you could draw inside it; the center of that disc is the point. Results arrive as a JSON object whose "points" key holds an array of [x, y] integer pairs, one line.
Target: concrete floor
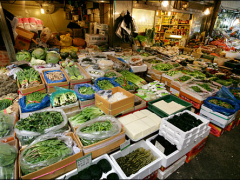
{"points": [[220, 159]]}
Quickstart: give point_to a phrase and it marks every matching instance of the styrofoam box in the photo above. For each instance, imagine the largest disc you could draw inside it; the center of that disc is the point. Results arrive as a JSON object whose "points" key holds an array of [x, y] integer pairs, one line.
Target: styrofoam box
{"points": [[171, 169], [171, 158], [143, 172], [136, 69], [178, 137], [216, 116], [95, 161], [216, 122]]}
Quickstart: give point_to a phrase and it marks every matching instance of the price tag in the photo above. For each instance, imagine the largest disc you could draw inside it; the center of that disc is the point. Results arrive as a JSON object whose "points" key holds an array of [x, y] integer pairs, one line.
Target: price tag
{"points": [[84, 162], [125, 145], [160, 147]]}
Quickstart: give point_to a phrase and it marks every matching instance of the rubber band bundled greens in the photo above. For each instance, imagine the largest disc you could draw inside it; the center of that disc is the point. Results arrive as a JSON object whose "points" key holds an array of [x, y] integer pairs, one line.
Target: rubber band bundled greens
{"points": [[35, 97], [66, 98], [28, 78], [86, 90], [8, 156], [38, 122], [134, 161], [133, 78], [49, 151], [196, 88], [221, 103], [124, 83], [105, 84], [86, 114], [5, 103]]}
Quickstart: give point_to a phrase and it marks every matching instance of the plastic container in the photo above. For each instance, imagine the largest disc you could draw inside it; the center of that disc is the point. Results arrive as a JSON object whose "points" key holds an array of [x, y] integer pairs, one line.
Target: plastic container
{"points": [[168, 98], [143, 172], [94, 161], [136, 61], [105, 64], [180, 138], [141, 68]]}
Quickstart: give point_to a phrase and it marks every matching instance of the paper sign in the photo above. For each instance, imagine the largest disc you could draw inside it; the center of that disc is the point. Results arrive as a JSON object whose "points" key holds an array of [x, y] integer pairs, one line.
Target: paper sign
{"points": [[160, 147], [84, 162], [125, 145]]}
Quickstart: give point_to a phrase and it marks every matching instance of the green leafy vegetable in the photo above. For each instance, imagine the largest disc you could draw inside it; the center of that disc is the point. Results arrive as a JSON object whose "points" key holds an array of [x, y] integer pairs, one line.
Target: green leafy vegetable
{"points": [[5, 103], [64, 99], [236, 93], [172, 73], [5, 125], [205, 86], [110, 74], [98, 126], [28, 77], [224, 82], [163, 67], [221, 103], [124, 83], [73, 72], [52, 57], [183, 78], [86, 114], [196, 88], [23, 55], [86, 90], [35, 97], [39, 53], [133, 78], [105, 84]]}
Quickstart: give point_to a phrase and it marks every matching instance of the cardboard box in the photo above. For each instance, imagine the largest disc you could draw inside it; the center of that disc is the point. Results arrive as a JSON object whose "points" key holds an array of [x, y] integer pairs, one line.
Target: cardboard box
{"points": [[175, 90], [196, 150], [138, 107], [166, 81], [156, 76], [215, 130], [4, 59], [104, 146], [72, 83], [56, 169], [89, 102], [116, 107], [194, 103], [15, 144], [23, 39], [39, 88], [50, 87]]}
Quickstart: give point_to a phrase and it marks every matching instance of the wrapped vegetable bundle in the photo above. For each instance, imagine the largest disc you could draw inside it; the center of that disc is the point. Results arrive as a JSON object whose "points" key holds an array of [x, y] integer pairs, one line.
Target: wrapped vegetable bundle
{"points": [[8, 155], [98, 129], [5, 103], [28, 78], [44, 151], [45, 121], [6, 125], [133, 78]]}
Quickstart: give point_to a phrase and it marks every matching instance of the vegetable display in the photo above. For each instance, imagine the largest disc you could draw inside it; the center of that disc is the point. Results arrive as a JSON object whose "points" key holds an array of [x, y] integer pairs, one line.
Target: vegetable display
{"points": [[196, 88], [172, 73], [5, 103], [134, 161], [124, 83], [86, 114], [224, 82], [98, 126], [5, 125], [133, 78], [86, 90], [38, 122], [72, 71], [163, 67], [23, 55], [35, 97], [8, 156], [105, 84], [236, 93], [205, 86], [28, 78], [110, 74], [185, 121], [182, 78], [63, 99], [55, 76], [39, 53], [221, 103], [51, 151]]}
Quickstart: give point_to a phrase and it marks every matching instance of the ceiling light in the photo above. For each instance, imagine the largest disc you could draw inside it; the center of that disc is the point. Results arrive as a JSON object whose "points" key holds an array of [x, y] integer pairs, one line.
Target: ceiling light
{"points": [[165, 3], [207, 11]]}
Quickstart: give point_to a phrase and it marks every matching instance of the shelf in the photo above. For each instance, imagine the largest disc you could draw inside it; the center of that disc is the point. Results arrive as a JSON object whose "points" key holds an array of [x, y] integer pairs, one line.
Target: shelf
{"points": [[169, 24], [184, 24]]}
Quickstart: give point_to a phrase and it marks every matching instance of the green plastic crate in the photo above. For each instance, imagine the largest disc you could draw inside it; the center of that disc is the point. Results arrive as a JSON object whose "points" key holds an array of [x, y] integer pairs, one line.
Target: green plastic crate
{"points": [[168, 98]]}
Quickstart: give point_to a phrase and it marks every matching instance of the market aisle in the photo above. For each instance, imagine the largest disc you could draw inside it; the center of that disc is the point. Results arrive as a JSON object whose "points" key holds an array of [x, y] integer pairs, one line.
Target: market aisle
{"points": [[220, 159]]}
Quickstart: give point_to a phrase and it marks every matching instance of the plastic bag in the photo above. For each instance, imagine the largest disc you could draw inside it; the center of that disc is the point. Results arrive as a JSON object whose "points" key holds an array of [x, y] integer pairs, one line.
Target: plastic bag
{"points": [[26, 137], [95, 73], [220, 109], [45, 34], [33, 106], [224, 92], [49, 81], [100, 135], [59, 91], [115, 84], [6, 126], [8, 155], [28, 167], [85, 96], [65, 40]]}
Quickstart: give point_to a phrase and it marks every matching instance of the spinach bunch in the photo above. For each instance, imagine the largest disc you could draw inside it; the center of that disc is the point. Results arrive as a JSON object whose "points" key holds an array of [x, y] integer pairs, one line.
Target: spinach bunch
{"points": [[5, 125], [38, 122], [8, 155]]}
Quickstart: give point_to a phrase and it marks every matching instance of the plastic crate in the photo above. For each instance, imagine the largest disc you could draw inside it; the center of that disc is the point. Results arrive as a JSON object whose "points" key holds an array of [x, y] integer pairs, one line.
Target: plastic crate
{"points": [[95, 161], [168, 98], [180, 138], [143, 172]]}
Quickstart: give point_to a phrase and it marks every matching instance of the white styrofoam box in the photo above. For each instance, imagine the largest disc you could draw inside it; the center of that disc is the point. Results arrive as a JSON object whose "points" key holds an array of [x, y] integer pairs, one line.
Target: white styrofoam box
{"points": [[178, 137], [223, 120], [94, 161], [141, 68], [92, 38], [174, 91], [143, 172], [171, 169], [67, 106], [216, 122], [171, 158]]}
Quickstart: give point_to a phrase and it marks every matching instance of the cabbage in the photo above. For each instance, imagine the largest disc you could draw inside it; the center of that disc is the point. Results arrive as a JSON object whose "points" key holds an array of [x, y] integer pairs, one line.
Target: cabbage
{"points": [[39, 53], [52, 57], [36, 62], [23, 55]]}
